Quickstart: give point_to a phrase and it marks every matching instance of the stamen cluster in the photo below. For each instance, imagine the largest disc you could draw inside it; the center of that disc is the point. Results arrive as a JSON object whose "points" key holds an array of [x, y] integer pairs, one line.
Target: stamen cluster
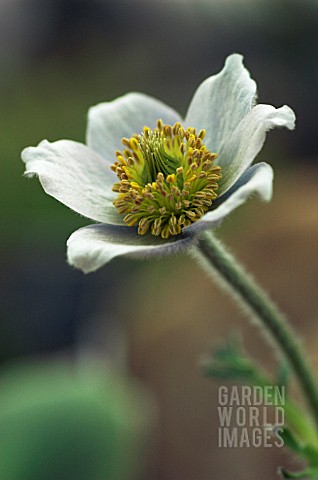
{"points": [[167, 179]]}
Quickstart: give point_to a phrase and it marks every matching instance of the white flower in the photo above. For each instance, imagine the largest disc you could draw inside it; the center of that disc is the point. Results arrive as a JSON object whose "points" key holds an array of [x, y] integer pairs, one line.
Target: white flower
{"points": [[80, 175]]}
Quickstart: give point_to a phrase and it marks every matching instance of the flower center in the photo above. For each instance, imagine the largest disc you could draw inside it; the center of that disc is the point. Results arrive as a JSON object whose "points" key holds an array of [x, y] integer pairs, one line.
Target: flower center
{"points": [[167, 179]]}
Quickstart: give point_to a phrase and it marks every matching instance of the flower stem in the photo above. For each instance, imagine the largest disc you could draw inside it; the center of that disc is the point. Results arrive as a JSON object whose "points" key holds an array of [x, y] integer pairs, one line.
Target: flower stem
{"points": [[222, 264]]}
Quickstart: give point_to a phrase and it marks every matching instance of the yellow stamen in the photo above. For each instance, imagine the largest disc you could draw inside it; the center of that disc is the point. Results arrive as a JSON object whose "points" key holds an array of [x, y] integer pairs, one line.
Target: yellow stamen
{"points": [[168, 179]]}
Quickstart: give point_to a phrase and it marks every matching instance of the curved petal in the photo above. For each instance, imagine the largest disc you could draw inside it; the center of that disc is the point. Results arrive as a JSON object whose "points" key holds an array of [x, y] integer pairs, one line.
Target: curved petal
{"points": [[76, 176], [257, 179], [109, 122], [221, 101], [91, 247], [248, 138]]}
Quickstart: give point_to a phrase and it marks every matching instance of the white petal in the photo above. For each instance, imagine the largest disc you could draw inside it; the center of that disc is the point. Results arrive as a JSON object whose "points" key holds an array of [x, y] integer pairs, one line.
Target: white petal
{"points": [[91, 247], [76, 176], [257, 179], [248, 138], [221, 101], [109, 122]]}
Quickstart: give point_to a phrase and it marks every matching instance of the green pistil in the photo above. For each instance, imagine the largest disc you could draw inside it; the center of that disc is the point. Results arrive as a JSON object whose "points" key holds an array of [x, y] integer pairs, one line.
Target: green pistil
{"points": [[167, 179]]}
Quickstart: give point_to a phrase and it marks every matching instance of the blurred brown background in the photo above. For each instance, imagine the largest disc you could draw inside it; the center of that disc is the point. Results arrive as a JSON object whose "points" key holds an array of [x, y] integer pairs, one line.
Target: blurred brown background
{"points": [[59, 57]]}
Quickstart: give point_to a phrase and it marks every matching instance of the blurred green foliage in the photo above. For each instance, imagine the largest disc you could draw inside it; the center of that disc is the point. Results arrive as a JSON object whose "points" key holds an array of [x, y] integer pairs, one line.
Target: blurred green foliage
{"points": [[64, 421], [36, 106]]}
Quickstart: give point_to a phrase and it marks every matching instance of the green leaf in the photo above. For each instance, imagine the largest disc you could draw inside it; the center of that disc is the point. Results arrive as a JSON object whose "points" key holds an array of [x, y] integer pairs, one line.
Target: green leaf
{"points": [[308, 473], [230, 362]]}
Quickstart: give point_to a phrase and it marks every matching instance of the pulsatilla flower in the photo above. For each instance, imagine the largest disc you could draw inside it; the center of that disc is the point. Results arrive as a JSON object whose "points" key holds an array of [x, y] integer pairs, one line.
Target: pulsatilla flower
{"points": [[154, 180]]}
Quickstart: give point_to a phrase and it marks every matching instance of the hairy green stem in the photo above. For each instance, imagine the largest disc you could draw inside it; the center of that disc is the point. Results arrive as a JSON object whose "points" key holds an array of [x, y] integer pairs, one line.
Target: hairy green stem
{"points": [[216, 260]]}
